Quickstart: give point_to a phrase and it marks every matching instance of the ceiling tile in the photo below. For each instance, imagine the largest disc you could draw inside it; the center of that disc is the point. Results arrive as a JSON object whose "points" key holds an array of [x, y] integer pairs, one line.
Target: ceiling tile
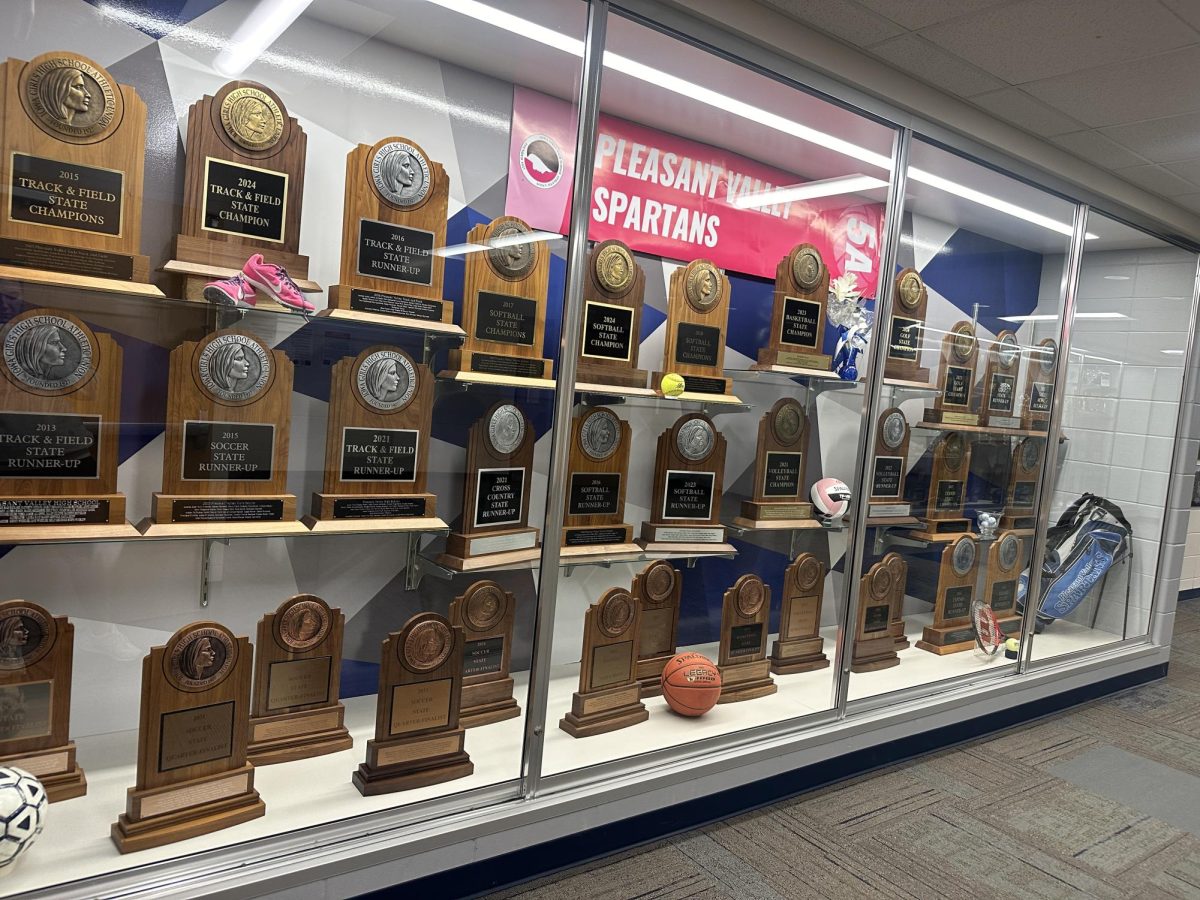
{"points": [[841, 18], [1189, 169], [1098, 149], [1188, 10], [917, 56], [914, 14], [1188, 201], [1019, 108], [1162, 85], [1036, 39], [1156, 179], [1171, 139]]}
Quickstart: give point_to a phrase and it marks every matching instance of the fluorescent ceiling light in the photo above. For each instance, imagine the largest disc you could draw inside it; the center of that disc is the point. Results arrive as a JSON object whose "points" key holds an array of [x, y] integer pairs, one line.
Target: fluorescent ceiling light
{"points": [[1049, 317], [1172, 352], [810, 190], [1116, 277], [508, 240], [543, 35], [257, 32]]}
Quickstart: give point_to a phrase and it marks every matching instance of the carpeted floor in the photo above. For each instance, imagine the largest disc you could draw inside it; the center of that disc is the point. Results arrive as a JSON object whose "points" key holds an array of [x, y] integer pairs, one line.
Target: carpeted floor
{"points": [[1102, 801]]}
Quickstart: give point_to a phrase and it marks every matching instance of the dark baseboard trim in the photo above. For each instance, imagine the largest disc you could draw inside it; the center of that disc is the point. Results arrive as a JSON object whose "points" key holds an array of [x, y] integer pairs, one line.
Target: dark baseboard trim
{"points": [[562, 853], [1190, 594]]}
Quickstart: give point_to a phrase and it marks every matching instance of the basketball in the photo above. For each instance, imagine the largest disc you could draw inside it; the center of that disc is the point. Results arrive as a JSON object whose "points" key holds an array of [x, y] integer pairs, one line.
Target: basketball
{"points": [[672, 385], [691, 684]]}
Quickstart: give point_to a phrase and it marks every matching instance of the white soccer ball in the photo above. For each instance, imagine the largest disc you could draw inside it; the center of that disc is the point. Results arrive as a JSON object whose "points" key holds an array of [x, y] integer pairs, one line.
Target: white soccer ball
{"points": [[23, 803]]}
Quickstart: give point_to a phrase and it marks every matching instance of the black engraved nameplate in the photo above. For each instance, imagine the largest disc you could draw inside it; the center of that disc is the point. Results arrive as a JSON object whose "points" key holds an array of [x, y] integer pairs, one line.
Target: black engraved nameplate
{"points": [[1000, 394], [499, 495], [958, 602], [1023, 493], [801, 319], [781, 477], [885, 480], [958, 386], [607, 331], [905, 339], [745, 640], [378, 507], [689, 495], [395, 251], [379, 454], [385, 304], [65, 195], [1004, 596], [227, 451], [483, 657], [227, 509], [245, 201], [949, 495], [504, 319], [41, 445], [697, 345]]}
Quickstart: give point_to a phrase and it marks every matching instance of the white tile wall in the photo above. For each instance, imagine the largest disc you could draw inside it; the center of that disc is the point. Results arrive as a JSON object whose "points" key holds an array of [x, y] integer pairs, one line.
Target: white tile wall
{"points": [[1189, 578]]}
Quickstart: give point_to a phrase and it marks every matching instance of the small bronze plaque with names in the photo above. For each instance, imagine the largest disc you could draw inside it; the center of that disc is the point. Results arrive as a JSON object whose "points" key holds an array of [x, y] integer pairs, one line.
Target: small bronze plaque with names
{"points": [[612, 664], [416, 707], [194, 736], [25, 710], [298, 682], [803, 619], [656, 637]]}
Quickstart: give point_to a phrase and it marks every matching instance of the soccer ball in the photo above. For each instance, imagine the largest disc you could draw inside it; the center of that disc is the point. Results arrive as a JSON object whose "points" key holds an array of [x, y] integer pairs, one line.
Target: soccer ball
{"points": [[23, 803]]}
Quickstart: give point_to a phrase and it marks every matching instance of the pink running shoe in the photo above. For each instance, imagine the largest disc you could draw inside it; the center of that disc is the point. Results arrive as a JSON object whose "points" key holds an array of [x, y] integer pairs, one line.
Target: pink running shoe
{"points": [[235, 291], [275, 282]]}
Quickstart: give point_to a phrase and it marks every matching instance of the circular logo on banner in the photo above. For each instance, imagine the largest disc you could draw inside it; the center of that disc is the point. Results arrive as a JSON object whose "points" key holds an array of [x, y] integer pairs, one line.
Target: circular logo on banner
{"points": [[600, 434], [485, 606], [26, 635], [695, 439], [506, 429], [70, 95], [427, 645], [400, 173], [1009, 548], [750, 597], [894, 428], [963, 556], [807, 268], [386, 380], [200, 658], [47, 352], [234, 367], [788, 423], [616, 613], [614, 268], [660, 580], [509, 249], [703, 286], [304, 623], [541, 161], [252, 118]]}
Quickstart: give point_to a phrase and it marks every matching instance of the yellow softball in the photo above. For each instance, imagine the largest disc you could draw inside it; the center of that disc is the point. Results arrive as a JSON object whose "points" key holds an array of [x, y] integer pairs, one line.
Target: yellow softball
{"points": [[671, 385]]}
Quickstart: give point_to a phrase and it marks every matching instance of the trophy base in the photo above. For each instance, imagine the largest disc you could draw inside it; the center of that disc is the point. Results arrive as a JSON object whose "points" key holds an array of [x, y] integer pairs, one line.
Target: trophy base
{"points": [[946, 639], [200, 256], [113, 273], [746, 681], [187, 514], [605, 710], [333, 507], [467, 552], [502, 365], [1009, 624], [596, 537], [698, 385], [793, 359], [658, 533], [55, 768], [649, 674], [902, 374], [801, 655], [1008, 522], [298, 735], [158, 816], [602, 376], [1038, 424], [874, 654], [937, 530], [768, 511], [61, 511], [370, 305], [949, 417], [999, 421], [399, 764], [487, 702], [899, 635]]}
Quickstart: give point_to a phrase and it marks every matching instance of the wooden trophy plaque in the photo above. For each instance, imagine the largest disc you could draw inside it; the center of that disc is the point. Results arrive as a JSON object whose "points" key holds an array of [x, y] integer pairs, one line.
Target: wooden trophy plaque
{"points": [[418, 739], [688, 472], [612, 318], [504, 304], [295, 712], [779, 467], [874, 644], [71, 159], [800, 645], [608, 695], [998, 400], [948, 486], [1019, 496], [594, 514], [229, 401], [376, 443], [485, 614], [910, 302], [697, 318], [60, 397], [393, 220], [35, 697], [496, 492], [192, 773], [1005, 560], [898, 569], [889, 466], [1039, 385], [658, 588], [952, 630], [956, 378], [243, 187], [798, 317], [742, 658]]}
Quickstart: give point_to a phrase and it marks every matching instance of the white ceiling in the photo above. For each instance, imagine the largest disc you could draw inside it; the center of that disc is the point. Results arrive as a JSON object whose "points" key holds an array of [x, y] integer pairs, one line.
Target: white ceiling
{"points": [[1116, 82]]}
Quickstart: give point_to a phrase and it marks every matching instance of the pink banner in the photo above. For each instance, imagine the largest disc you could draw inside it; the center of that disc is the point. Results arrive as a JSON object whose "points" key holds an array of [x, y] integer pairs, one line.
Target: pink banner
{"points": [[668, 196]]}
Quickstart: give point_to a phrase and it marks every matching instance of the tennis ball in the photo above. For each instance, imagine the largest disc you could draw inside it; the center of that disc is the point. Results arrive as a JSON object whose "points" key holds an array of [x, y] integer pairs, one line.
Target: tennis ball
{"points": [[671, 385]]}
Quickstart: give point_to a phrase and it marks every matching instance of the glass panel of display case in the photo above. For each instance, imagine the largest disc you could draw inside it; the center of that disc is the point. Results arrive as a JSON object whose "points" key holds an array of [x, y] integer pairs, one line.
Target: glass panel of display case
{"points": [[735, 244], [275, 399], [1123, 386], [961, 427]]}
